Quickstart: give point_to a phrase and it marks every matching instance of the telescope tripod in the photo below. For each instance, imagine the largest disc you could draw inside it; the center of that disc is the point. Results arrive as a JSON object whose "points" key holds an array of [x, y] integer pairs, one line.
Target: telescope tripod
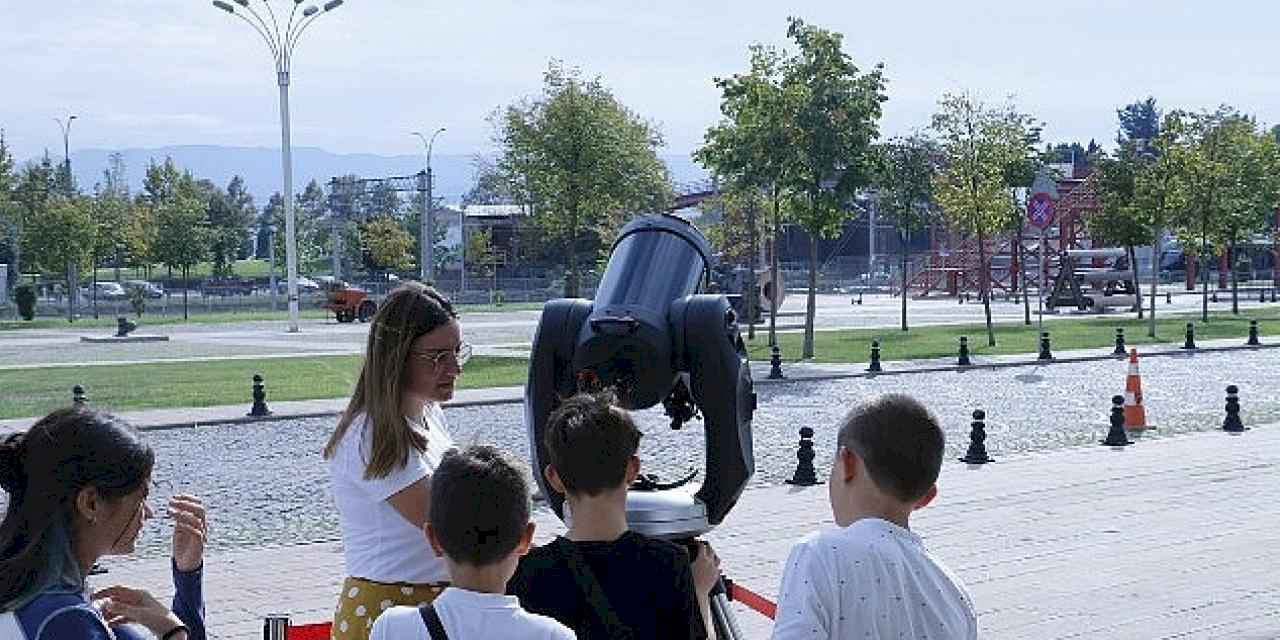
{"points": [[722, 619]]}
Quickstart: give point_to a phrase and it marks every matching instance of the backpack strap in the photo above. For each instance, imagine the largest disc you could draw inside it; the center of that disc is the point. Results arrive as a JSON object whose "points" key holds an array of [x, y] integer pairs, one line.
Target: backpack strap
{"points": [[591, 590], [435, 628]]}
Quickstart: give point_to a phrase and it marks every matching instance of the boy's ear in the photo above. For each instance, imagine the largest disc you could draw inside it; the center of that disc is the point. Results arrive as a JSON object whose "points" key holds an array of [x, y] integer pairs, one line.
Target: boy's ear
{"points": [[848, 463], [633, 469], [434, 541], [526, 539], [553, 479], [927, 497]]}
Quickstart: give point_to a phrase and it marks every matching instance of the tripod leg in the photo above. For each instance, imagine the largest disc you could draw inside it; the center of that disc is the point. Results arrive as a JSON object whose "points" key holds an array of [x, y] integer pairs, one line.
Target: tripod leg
{"points": [[722, 619]]}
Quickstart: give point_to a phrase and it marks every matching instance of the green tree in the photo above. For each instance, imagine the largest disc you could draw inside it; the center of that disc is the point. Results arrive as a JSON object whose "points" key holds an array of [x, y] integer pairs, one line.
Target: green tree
{"points": [[904, 186], [1139, 121], [1118, 221], [231, 214], [62, 240], [387, 245], [309, 210], [35, 186], [182, 230], [1252, 190], [836, 117], [750, 152], [979, 144], [10, 215], [581, 160]]}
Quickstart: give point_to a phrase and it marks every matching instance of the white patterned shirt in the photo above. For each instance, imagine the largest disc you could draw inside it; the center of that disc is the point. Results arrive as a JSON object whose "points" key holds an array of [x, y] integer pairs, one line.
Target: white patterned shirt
{"points": [[872, 579]]}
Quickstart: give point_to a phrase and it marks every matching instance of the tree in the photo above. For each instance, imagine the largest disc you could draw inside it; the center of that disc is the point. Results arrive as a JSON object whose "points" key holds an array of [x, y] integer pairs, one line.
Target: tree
{"points": [[1205, 157], [387, 245], [231, 214], [1139, 121], [980, 144], [182, 229], [62, 239], [1252, 190], [1117, 221], [750, 151], [110, 212], [1158, 192], [34, 188], [309, 209], [10, 215], [491, 186], [581, 160], [836, 116], [904, 185]]}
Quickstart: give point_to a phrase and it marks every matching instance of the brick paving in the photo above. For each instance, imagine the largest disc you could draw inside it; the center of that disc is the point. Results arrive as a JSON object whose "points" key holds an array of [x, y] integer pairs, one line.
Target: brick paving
{"points": [[1169, 538]]}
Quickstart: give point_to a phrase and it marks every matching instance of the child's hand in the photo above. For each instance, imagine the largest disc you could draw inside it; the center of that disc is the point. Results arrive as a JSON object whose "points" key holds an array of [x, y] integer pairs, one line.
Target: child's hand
{"points": [[706, 569]]}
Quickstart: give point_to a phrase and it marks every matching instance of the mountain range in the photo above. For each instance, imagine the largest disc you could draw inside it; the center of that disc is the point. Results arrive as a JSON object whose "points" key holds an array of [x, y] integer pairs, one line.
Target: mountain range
{"points": [[260, 167]]}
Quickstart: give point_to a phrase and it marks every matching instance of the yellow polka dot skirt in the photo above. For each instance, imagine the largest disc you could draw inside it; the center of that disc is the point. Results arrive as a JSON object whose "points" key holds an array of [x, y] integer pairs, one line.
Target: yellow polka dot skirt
{"points": [[362, 601]]}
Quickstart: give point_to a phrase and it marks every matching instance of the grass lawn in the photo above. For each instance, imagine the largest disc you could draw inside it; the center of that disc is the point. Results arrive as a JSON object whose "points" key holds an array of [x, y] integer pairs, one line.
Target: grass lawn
{"points": [[34, 392], [942, 341]]}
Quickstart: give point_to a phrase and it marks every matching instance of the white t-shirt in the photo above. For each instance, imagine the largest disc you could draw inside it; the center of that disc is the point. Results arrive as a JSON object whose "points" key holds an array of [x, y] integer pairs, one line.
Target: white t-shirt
{"points": [[872, 579], [378, 543], [468, 614]]}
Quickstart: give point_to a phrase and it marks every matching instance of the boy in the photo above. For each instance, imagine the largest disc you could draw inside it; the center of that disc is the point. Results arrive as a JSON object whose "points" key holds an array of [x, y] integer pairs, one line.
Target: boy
{"points": [[600, 579], [872, 577], [479, 523]]}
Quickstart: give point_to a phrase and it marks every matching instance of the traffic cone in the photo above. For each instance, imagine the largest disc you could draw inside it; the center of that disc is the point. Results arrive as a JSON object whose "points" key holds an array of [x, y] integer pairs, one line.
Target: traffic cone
{"points": [[1135, 415]]}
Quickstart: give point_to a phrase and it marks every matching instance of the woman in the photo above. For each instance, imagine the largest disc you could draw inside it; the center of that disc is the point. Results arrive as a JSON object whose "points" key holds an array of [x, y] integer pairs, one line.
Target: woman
{"points": [[78, 483], [381, 455]]}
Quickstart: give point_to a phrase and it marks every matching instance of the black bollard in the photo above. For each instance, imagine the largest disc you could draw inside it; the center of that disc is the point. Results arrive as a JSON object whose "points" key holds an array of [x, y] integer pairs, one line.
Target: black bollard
{"points": [[874, 367], [1232, 423], [259, 408], [1120, 350], [1045, 352], [805, 475], [1273, 294], [859, 297], [78, 398], [1168, 297], [775, 364], [964, 352], [1116, 437], [1213, 297], [1253, 335], [1262, 295], [1190, 342], [977, 453]]}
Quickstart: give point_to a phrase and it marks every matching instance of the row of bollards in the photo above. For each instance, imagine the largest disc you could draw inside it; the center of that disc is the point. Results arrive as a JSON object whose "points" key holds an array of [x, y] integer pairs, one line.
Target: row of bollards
{"points": [[964, 357], [806, 474], [259, 409]]}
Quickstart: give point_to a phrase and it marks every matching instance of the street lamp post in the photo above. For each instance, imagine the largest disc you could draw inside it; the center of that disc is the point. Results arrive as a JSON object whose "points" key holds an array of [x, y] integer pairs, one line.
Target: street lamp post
{"points": [[282, 39], [427, 223], [73, 283]]}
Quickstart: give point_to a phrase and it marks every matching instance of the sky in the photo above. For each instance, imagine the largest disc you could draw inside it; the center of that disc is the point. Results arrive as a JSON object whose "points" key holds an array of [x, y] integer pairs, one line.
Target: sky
{"points": [[149, 73]]}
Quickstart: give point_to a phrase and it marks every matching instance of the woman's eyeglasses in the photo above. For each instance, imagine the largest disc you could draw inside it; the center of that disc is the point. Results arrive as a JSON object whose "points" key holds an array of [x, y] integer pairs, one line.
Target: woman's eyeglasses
{"points": [[460, 355]]}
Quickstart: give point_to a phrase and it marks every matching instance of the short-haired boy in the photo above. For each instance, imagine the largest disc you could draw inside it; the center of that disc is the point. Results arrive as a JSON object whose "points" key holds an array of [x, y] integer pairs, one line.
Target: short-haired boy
{"points": [[600, 579], [479, 523], [873, 577]]}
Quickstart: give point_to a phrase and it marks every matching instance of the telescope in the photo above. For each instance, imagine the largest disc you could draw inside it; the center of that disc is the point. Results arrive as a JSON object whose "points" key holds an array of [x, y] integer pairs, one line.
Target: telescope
{"points": [[651, 337]]}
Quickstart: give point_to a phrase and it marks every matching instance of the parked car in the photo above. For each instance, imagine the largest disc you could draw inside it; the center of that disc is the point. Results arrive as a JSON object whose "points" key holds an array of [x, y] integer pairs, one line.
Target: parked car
{"points": [[106, 291], [228, 287], [149, 289], [305, 285]]}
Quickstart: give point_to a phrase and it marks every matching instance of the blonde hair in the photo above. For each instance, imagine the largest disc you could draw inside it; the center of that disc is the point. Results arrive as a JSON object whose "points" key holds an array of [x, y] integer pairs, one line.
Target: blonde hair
{"points": [[408, 312]]}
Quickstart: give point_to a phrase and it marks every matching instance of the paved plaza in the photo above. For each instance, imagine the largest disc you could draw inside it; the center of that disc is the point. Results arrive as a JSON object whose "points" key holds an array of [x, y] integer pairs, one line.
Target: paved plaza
{"points": [[1165, 539]]}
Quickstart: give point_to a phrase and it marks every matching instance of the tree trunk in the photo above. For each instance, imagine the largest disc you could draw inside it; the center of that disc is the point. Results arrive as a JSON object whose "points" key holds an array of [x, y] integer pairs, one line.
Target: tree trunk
{"points": [[186, 288], [1026, 289], [95, 289], [1155, 280], [1235, 280], [571, 274], [985, 286], [1137, 290], [811, 304], [750, 300], [1204, 278], [906, 256]]}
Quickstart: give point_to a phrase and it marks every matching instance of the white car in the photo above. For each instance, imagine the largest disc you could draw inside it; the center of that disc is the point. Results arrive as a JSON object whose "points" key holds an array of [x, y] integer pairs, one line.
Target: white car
{"points": [[106, 291]]}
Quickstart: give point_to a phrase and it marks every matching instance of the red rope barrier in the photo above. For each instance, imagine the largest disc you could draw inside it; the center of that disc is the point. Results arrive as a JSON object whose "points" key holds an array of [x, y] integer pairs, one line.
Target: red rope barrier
{"points": [[319, 631], [752, 600]]}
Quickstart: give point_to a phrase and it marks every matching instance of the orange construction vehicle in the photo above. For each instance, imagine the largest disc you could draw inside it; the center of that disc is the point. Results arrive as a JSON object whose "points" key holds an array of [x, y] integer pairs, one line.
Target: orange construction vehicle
{"points": [[350, 303]]}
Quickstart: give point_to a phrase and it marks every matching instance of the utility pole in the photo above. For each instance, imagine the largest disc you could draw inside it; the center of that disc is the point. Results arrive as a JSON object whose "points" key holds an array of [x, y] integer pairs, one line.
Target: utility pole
{"points": [[427, 224]]}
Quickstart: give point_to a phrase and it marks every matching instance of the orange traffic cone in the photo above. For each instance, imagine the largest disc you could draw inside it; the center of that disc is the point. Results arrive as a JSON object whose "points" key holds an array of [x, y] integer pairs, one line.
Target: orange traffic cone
{"points": [[1135, 415]]}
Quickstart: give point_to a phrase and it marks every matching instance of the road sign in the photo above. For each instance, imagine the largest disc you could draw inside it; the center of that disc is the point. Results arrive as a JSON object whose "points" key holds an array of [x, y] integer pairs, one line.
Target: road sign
{"points": [[1040, 210]]}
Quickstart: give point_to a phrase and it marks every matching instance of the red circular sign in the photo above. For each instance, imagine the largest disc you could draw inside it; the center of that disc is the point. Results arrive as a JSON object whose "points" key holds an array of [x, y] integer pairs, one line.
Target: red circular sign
{"points": [[1040, 210]]}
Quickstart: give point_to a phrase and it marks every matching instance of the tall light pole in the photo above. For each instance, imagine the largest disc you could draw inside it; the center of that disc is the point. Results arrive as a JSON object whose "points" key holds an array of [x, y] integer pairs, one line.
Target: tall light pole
{"points": [[282, 38], [427, 225], [73, 284]]}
